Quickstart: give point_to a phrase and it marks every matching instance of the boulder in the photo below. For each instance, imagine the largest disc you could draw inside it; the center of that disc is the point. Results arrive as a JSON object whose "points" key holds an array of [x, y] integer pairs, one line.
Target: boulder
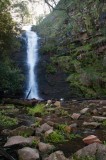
{"points": [[75, 116], [95, 149], [6, 132], [91, 139], [22, 131], [45, 127], [57, 104], [104, 107], [58, 155], [38, 131], [38, 119], [85, 110], [49, 102], [95, 111], [74, 127], [27, 153], [48, 132], [51, 123], [98, 118], [103, 102], [104, 113], [92, 124], [45, 148], [19, 140]]}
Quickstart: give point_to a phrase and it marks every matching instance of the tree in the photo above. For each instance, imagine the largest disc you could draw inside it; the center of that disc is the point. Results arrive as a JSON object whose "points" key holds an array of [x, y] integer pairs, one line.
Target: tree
{"points": [[10, 76], [20, 7]]}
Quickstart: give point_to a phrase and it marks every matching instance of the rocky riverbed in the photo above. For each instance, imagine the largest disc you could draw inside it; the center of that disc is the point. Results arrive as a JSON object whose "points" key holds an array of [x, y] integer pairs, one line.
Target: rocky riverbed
{"points": [[61, 130]]}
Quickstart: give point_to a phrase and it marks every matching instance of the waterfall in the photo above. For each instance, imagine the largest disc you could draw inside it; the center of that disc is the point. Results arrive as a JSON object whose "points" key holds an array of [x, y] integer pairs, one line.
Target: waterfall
{"points": [[32, 59]]}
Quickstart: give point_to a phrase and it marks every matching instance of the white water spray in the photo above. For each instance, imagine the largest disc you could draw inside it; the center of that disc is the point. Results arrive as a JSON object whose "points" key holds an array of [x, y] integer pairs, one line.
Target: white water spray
{"points": [[32, 59]]}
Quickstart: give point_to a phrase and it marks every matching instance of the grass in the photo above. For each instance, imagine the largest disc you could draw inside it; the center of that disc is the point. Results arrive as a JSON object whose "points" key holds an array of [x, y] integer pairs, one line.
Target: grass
{"points": [[6, 121], [38, 109]]}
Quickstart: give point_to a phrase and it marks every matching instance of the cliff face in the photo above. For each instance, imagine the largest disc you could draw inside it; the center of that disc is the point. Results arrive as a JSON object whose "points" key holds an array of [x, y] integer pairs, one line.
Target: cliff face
{"points": [[75, 42]]}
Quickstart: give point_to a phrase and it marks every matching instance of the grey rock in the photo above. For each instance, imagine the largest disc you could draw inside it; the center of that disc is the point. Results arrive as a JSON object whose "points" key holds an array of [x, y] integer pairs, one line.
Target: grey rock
{"points": [[92, 124], [75, 116], [48, 132], [95, 149], [99, 118], [85, 110], [58, 155], [17, 140], [27, 153], [95, 111], [45, 148], [45, 127], [23, 130], [57, 104]]}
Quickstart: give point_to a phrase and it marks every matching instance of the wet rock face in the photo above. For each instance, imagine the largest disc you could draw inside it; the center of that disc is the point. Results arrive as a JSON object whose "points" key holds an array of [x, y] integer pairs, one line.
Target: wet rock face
{"points": [[28, 154], [52, 85]]}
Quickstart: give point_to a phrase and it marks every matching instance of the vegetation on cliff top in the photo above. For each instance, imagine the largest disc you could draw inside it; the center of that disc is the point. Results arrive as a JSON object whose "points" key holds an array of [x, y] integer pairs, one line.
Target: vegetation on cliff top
{"points": [[10, 76], [75, 40]]}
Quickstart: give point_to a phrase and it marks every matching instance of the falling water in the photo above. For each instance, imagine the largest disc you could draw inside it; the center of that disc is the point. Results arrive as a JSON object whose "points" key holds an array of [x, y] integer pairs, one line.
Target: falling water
{"points": [[32, 59]]}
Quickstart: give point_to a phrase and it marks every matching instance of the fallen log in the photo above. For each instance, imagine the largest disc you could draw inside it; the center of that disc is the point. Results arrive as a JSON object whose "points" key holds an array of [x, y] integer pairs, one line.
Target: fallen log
{"points": [[20, 102]]}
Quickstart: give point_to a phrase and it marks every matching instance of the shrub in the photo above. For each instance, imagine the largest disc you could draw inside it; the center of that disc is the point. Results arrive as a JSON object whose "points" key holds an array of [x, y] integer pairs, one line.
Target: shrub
{"points": [[55, 137], [6, 121], [38, 109]]}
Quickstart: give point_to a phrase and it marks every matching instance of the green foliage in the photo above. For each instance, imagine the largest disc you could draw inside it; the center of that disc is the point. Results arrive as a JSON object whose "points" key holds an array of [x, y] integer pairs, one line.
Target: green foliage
{"points": [[104, 123], [84, 158], [51, 69], [63, 113], [55, 137], [104, 142], [75, 40], [37, 123], [38, 109], [61, 127], [11, 78], [84, 48], [73, 136], [24, 134], [34, 143], [6, 121], [22, 9]]}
